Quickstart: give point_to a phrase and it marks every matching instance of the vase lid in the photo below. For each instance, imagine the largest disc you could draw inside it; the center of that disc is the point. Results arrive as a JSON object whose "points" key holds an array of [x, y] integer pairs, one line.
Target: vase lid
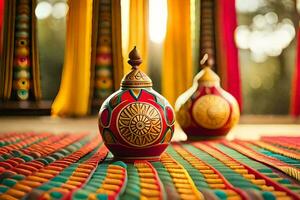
{"points": [[135, 78], [207, 75]]}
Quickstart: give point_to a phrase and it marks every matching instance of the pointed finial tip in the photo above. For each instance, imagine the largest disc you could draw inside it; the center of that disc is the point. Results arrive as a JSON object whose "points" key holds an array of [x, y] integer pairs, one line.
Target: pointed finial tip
{"points": [[206, 61], [134, 58]]}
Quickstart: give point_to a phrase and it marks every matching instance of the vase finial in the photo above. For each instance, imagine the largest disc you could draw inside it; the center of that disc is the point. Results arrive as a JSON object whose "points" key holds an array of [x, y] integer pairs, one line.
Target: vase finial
{"points": [[136, 78], [134, 58], [206, 61]]}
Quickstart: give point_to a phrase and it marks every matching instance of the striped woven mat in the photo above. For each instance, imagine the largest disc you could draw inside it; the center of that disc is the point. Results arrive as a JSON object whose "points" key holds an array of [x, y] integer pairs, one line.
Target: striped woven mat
{"points": [[78, 166]]}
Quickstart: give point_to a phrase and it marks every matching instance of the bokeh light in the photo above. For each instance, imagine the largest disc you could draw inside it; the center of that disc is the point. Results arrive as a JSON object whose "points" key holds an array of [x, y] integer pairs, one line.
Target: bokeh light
{"points": [[60, 10], [43, 10], [243, 6], [266, 36], [255, 82], [271, 18]]}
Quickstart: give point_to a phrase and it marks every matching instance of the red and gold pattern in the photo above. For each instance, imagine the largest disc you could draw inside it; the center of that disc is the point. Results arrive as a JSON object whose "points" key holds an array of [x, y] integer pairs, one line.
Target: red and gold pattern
{"points": [[206, 110], [139, 124], [136, 122]]}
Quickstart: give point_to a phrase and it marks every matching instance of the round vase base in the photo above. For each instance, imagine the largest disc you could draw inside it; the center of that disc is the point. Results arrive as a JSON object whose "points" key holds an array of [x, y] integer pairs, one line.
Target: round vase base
{"points": [[133, 159], [195, 138]]}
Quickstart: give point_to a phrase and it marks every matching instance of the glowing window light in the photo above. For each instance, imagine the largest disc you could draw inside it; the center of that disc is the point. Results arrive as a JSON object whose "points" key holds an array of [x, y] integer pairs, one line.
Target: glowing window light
{"points": [[298, 5], [43, 10], [60, 10], [158, 13], [125, 5], [265, 37], [243, 6]]}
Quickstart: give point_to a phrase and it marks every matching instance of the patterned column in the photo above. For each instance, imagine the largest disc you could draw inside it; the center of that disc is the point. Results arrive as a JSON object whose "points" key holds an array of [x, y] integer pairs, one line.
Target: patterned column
{"points": [[207, 31], [20, 70], [22, 54], [103, 65], [106, 56]]}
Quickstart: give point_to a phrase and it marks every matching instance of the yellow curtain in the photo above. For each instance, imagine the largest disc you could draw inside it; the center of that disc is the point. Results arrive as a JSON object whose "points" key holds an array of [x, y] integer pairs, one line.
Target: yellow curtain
{"points": [[73, 96], [177, 71], [138, 32]]}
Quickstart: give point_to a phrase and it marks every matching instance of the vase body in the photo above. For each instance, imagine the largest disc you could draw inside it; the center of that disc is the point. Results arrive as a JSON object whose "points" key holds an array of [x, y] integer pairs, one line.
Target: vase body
{"points": [[136, 123], [206, 111]]}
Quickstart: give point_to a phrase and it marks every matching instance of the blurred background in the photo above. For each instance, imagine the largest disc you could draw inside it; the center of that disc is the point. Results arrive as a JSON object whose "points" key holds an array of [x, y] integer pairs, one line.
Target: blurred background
{"points": [[265, 37]]}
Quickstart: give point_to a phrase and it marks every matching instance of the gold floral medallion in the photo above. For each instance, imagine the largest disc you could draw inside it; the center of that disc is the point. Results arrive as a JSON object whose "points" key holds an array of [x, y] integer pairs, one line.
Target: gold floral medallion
{"points": [[211, 111], [139, 124]]}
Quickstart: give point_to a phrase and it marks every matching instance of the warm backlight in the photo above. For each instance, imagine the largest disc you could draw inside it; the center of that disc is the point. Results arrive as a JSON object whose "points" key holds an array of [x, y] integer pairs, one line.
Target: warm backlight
{"points": [[158, 13]]}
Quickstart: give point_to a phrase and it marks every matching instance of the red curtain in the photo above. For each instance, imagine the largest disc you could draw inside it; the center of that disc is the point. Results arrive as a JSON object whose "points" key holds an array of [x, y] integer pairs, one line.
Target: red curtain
{"points": [[1, 13], [227, 53], [1, 23], [295, 95]]}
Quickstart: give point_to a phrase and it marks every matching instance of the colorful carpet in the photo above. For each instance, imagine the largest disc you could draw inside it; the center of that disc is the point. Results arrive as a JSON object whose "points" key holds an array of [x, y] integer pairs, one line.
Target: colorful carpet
{"points": [[78, 166]]}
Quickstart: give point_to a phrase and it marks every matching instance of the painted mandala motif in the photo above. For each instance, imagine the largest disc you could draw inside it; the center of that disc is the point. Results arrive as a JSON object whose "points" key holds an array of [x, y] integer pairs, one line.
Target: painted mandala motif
{"points": [[140, 124], [211, 111]]}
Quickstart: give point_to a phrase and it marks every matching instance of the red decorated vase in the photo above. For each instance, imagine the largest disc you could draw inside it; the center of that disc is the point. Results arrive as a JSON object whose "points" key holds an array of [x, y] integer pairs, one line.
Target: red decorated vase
{"points": [[206, 111], [136, 122]]}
